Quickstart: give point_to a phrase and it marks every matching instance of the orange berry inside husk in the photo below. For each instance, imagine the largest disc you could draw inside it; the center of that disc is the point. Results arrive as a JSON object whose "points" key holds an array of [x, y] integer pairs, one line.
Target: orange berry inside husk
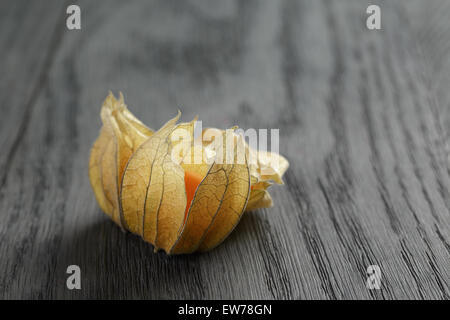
{"points": [[191, 182]]}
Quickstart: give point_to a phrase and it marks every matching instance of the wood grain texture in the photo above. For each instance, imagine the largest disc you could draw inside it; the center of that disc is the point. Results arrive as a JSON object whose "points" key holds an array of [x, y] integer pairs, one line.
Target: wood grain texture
{"points": [[364, 120]]}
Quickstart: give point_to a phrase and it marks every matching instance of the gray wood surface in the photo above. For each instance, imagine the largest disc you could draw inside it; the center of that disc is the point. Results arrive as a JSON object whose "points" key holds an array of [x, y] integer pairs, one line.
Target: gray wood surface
{"points": [[363, 118]]}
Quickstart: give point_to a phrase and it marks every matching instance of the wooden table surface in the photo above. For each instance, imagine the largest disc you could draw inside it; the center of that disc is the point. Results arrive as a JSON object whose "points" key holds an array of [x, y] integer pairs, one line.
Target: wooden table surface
{"points": [[363, 116]]}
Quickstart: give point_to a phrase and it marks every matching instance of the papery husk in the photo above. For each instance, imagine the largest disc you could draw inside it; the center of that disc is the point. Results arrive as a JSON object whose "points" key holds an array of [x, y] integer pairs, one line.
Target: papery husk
{"points": [[120, 136], [217, 207], [138, 179], [262, 173]]}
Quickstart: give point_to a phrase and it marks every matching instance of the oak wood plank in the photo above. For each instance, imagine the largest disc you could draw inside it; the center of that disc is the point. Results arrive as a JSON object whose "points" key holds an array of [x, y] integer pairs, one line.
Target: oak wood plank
{"points": [[363, 118]]}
